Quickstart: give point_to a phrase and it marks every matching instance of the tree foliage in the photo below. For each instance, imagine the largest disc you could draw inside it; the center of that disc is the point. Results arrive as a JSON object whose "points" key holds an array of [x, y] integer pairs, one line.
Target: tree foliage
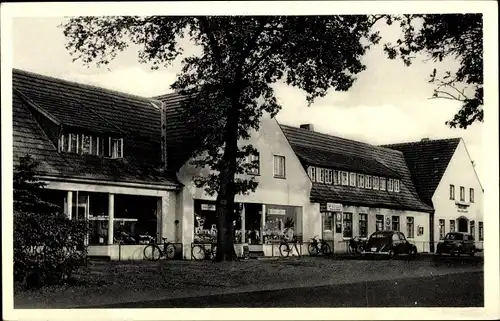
{"points": [[47, 245], [228, 85], [441, 36]]}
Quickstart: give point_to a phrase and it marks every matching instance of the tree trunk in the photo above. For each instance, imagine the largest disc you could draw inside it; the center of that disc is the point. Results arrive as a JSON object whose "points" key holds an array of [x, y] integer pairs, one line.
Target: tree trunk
{"points": [[226, 193]]}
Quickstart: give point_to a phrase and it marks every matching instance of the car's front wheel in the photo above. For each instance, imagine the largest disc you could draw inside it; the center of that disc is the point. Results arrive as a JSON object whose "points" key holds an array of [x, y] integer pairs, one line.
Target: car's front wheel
{"points": [[391, 254]]}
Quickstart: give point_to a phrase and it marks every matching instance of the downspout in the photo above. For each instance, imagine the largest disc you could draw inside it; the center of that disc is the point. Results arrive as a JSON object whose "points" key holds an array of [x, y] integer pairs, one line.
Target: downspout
{"points": [[163, 129]]}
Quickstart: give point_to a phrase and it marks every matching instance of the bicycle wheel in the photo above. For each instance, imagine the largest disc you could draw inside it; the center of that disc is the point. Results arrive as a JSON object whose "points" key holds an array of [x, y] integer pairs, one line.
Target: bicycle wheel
{"points": [[152, 252], [169, 251], [312, 249], [284, 250], [198, 252], [326, 249]]}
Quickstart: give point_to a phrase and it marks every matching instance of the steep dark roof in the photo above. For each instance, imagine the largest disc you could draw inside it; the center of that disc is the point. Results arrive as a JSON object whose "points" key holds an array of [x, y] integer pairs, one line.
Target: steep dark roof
{"points": [[427, 162], [319, 149], [42, 104], [180, 141]]}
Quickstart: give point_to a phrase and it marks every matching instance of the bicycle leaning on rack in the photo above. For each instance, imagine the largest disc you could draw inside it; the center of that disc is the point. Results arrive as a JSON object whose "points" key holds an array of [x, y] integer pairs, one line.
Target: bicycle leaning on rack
{"points": [[153, 252], [318, 246], [200, 252], [356, 245], [286, 248]]}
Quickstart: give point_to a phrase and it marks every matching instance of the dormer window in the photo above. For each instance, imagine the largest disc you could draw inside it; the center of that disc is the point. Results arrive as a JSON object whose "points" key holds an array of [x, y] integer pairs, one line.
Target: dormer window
{"points": [[84, 144], [396, 185]]}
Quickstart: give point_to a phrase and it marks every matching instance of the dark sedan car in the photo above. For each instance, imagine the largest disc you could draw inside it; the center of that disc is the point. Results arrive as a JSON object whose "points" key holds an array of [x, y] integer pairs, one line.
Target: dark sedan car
{"points": [[389, 243], [456, 243]]}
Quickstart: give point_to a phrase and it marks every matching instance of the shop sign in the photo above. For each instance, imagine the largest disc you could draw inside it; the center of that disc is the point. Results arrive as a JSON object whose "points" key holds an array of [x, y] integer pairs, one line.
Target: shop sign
{"points": [[276, 211], [388, 221], [334, 207], [208, 207]]}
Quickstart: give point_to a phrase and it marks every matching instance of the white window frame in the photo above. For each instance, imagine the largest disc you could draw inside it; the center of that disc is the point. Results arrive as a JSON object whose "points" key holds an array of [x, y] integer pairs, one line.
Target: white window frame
{"points": [[383, 182], [472, 197], [311, 171], [336, 177], [410, 220], [462, 195], [328, 176], [452, 192], [368, 181], [375, 185], [390, 184], [396, 185], [347, 178], [352, 182], [275, 158], [361, 180], [320, 175]]}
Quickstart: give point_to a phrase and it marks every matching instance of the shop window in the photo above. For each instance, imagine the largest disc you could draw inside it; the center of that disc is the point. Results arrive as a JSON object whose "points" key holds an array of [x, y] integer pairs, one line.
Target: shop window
{"points": [[368, 181], [320, 175], [345, 179], [441, 229], [311, 171], [352, 179], [396, 185], [473, 228], [462, 194], [390, 184], [471, 195], [281, 220], [379, 223], [452, 226], [481, 231], [452, 192], [328, 176], [410, 227], [395, 223], [279, 166], [347, 225], [135, 219], [361, 180], [363, 225], [375, 182]]}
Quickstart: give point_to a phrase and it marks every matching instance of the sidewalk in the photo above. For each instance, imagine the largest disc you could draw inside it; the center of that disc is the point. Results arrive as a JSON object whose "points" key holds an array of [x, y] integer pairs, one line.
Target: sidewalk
{"points": [[118, 282]]}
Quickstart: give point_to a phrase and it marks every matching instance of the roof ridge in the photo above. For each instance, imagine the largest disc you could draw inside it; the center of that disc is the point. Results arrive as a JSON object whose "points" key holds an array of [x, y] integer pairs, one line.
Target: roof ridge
{"points": [[81, 85], [339, 137], [423, 142]]}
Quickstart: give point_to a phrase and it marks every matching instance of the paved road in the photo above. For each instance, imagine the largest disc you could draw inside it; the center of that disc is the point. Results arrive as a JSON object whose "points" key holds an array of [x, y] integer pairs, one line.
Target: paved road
{"points": [[453, 290]]}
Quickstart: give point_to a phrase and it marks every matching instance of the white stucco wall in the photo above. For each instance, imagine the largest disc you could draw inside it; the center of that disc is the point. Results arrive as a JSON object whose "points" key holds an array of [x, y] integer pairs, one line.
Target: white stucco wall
{"points": [[459, 172], [294, 190]]}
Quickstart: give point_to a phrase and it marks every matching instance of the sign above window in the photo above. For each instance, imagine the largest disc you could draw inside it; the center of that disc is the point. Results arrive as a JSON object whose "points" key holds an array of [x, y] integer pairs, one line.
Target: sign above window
{"points": [[276, 211], [208, 207], [334, 207]]}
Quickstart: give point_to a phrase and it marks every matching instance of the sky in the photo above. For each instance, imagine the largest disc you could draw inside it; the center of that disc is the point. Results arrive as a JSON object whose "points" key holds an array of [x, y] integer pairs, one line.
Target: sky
{"points": [[388, 103]]}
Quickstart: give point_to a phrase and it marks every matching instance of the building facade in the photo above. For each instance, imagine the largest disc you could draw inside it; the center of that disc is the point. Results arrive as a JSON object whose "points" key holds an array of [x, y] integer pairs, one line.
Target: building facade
{"points": [[123, 163], [445, 178], [99, 153], [360, 189]]}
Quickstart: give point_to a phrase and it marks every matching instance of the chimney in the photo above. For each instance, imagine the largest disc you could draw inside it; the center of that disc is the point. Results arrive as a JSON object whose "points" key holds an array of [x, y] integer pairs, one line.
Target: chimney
{"points": [[426, 139], [309, 127]]}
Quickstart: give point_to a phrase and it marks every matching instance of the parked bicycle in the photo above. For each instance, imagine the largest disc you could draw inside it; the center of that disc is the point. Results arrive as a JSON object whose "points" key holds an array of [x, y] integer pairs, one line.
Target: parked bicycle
{"points": [[153, 252], [318, 246], [202, 251], [356, 245], [286, 248]]}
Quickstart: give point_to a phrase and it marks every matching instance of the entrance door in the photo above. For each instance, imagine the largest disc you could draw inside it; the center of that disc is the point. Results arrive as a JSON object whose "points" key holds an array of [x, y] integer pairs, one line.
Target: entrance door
{"points": [[463, 225]]}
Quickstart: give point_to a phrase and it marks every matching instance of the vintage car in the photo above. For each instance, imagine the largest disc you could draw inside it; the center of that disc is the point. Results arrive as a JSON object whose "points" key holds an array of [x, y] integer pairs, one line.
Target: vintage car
{"points": [[390, 244], [456, 243]]}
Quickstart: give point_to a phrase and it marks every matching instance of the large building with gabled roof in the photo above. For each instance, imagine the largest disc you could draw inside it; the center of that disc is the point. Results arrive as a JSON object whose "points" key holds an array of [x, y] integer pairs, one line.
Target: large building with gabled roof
{"points": [[446, 180]]}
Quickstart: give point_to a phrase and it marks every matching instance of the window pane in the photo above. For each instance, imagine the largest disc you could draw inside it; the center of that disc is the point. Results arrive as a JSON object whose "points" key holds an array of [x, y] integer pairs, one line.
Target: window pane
{"points": [[352, 179], [72, 143], [85, 144], [462, 193], [471, 195], [382, 183], [379, 223], [375, 182], [441, 229], [363, 232], [345, 179], [347, 225], [452, 192], [279, 166], [410, 227]]}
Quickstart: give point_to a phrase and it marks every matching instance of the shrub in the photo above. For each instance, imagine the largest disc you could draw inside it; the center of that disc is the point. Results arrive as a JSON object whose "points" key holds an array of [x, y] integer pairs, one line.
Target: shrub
{"points": [[47, 245]]}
